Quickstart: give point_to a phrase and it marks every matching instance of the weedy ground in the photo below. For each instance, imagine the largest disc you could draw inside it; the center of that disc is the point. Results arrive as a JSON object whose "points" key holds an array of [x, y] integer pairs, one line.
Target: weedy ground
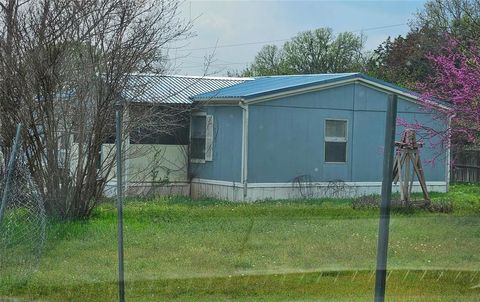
{"points": [[178, 249]]}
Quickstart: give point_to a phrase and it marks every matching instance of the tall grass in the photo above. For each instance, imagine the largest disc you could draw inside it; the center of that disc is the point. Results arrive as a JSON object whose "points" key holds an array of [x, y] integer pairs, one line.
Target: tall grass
{"points": [[178, 249]]}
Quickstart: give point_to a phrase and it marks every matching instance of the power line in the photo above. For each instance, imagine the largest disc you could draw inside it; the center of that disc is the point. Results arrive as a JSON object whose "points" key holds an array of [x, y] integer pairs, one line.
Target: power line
{"points": [[234, 45], [214, 65], [281, 40], [379, 27]]}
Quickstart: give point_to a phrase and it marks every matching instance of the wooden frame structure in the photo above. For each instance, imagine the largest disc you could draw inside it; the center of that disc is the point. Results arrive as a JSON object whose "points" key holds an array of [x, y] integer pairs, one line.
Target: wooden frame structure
{"points": [[406, 165]]}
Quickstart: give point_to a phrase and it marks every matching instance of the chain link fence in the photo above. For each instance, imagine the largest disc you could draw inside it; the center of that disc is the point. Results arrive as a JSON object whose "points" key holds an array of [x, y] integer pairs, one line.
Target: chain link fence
{"points": [[22, 227]]}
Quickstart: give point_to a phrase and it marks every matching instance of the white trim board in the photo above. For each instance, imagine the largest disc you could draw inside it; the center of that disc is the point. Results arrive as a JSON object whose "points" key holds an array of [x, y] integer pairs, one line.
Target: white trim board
{"points": [[216, 182], [327, 184], [293, 184], [244, 166]]}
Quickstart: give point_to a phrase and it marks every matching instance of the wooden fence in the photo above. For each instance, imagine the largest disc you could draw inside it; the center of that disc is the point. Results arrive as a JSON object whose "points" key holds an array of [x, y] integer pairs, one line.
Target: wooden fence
{"points": [[466, 166]]}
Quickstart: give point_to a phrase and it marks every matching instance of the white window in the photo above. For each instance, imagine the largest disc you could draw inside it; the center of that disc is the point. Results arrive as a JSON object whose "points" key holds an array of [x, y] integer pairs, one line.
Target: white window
{"points": [[335, 141], [201, 138]]}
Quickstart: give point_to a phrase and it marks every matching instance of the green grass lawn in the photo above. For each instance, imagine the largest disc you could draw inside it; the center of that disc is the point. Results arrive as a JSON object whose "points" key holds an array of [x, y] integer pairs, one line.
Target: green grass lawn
{"points": [[177, 249]]}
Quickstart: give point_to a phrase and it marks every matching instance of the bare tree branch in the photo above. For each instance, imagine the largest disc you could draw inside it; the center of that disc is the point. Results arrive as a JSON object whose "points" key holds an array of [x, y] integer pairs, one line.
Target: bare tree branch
{"points": [[64, 66]]}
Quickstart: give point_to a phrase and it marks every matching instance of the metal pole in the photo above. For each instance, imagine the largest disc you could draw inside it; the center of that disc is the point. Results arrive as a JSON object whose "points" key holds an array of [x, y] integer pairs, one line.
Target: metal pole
{"points": [[381, 273], [118, 141], [10, 167]]}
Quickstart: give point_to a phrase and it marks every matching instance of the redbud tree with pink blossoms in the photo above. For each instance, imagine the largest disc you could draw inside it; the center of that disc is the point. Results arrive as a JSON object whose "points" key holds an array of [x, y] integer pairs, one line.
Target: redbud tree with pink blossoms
{"points": [[454, 82]]}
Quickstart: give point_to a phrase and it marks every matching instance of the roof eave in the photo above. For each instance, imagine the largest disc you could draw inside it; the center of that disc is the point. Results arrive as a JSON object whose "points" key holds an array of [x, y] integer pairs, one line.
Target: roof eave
{"points": [[354, 78], [357, 79], [217, 100], [410, 95]]}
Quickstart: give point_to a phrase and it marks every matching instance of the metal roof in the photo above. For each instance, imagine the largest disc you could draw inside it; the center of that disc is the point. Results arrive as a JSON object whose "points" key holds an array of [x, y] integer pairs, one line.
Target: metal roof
{"points": [[173, 89], [262, 86], [269, 84]]}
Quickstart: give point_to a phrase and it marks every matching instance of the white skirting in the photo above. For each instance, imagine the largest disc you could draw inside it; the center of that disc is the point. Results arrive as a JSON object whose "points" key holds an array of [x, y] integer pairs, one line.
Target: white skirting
{"points": [[224, 190], [205, 188]]}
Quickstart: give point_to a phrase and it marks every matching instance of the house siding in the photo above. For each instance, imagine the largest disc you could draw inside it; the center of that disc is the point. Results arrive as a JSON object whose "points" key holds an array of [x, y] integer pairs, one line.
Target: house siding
{"points": [[286, 136], [369, 134], [227, 145]]}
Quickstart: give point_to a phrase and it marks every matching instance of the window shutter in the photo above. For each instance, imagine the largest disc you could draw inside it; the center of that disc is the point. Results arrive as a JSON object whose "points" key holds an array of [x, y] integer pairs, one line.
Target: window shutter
{"points": [[209, 138]]}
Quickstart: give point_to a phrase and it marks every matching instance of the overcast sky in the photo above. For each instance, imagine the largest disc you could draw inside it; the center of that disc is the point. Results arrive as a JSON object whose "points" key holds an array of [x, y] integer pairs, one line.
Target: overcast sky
{"points": [[226, 23]]}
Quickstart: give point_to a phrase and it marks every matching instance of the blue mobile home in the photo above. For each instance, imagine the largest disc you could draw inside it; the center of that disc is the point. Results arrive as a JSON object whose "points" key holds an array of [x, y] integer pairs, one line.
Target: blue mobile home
{"points": [[302, 136]]}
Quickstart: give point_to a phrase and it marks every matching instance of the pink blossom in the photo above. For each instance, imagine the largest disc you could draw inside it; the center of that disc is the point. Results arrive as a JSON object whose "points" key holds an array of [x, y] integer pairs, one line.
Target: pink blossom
{"points": [[455, 80]]}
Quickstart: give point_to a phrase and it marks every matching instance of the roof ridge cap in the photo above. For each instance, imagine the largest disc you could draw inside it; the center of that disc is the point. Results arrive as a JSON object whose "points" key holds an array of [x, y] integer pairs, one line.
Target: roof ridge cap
{"points": [[191, 77], [310, 75]]}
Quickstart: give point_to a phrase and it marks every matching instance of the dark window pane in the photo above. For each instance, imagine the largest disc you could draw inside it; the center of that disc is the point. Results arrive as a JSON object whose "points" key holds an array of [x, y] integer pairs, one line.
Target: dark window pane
{"points": [[198, 148], [160, 125], [178, 136], [335, 152], [198, 126], [109, 140]]}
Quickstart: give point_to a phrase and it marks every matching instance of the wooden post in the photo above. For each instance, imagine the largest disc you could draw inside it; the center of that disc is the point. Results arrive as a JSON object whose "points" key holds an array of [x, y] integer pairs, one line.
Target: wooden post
{"points": [[405, 188]]}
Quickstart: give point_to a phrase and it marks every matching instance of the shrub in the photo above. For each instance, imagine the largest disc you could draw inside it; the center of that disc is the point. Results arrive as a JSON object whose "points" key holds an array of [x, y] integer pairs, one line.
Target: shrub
{"points": [[373, 202]]}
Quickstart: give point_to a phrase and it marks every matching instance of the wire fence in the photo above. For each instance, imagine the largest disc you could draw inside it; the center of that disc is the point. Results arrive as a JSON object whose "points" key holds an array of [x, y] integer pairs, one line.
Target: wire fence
{"points": [[22, 225]]}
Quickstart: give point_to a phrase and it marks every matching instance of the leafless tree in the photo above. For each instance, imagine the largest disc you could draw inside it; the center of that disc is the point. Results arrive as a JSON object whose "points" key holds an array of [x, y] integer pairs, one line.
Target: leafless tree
{"points": [[64, 70]]}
